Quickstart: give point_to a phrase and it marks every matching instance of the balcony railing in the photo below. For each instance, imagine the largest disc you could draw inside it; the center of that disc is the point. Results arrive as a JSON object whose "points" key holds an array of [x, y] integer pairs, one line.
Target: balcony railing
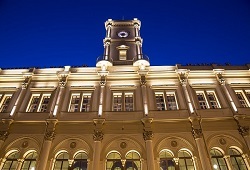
{"points": [[141, 57], [104, 57]]}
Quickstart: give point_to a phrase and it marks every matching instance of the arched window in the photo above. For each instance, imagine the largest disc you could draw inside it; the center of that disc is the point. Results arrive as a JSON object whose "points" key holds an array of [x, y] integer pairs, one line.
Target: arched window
{"points": [[167, 160], [218, 160], [185, 160], [133, 161], [62, 162], [114, 161], [29, 162], [11, 161], [80, 161], [238, 162]]}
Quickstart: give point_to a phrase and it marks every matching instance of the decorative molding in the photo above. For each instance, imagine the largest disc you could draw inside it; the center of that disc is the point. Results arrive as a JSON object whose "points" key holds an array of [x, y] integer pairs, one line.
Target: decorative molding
{"points": [[50, 135], [222, 141], [197, 133], [25, 144], [4, 135], [243, 130], [143, 80], [103, 81], [221, 79], [25, 83], [182, 78], [98, 135], [63, 81], [148, 135]]}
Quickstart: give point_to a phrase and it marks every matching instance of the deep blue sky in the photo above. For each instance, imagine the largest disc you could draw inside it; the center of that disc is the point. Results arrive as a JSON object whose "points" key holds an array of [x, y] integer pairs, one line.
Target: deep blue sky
{"points": [[46, 33]]}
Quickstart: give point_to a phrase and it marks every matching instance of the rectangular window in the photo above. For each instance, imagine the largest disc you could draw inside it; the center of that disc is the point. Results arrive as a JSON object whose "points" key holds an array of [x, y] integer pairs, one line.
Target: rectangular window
{"points": [[123, 101], [243, 97], [80, 102], [160, 102], [4, 102], [166, 101], [207, 99], [39, 103]]}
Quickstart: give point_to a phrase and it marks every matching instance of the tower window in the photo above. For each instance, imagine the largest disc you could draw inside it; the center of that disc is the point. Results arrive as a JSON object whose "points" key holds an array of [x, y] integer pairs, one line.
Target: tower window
{"points": [[122, 52]]}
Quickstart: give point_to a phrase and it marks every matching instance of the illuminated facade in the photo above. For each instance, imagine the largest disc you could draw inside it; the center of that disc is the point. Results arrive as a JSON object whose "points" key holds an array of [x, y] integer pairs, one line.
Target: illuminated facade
{"points": [[124, 114]]}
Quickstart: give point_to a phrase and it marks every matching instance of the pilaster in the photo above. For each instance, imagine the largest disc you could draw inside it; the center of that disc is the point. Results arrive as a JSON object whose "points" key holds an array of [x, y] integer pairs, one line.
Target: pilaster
{"points": [[48, 138], [148, 136], [97, 137]]}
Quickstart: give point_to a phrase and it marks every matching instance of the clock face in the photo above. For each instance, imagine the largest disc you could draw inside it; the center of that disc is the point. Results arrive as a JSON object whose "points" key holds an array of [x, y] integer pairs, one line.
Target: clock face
{"points": [[123, 34]]}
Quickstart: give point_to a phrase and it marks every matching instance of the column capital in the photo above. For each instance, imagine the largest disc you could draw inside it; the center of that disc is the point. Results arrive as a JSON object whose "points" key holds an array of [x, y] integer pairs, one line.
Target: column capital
{"points": [[148, 135], [63, 76], [183, 76], [226, 156], [243, 130], [27, 77], [50, 135], [219, 76], [143, 80], [20, 160], [176, 160], [197, 133], [98, 135], [4, 135]]}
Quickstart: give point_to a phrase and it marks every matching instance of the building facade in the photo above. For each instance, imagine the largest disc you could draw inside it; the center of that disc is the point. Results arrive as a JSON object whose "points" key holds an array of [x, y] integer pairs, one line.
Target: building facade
{"points": [[124, 114]]}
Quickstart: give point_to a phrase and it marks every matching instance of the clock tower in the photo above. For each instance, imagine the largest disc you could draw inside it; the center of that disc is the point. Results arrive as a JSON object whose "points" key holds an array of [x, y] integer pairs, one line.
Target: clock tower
{"points": [[123, 44]]}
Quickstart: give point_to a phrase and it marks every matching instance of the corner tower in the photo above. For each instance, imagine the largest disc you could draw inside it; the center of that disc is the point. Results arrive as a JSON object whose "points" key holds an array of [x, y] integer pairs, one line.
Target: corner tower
{"points": [[122, 44]]}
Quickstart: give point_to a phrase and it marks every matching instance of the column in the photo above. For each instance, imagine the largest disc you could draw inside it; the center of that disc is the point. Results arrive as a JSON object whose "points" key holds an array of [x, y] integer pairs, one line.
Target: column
{"points": [[48, 138], [25, 84], [98, 137], [138, 42], [221, 80], [148, 135], [246, 160], [228, 161], [144, 94], [244, 131], [106, 44], [102, 85], [19, 164], [63, 77], [4, 130], [182, 75], [203, 154], [2, 160], [3, 136]]}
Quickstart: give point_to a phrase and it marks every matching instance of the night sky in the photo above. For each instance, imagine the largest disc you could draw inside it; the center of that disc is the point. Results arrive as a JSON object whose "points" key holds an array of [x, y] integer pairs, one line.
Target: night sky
{"points": [[45, 33]]}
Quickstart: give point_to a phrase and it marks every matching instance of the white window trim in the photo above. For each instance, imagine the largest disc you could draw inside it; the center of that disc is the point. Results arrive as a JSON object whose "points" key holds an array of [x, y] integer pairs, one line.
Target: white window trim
{"points": [[3, 97], [164, 93], [123, 94], [81, 96], [205, 94], [244, 95], [205, 97], [40, 95]]}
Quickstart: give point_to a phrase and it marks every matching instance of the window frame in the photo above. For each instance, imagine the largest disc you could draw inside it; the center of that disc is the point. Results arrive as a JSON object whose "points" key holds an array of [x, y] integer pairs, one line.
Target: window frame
{"points": [[165, 94], [3, 97], [217, 158], [208, 102], [81, 100], [12, 159], [123, 103], [40, 102], [244, 93]]}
